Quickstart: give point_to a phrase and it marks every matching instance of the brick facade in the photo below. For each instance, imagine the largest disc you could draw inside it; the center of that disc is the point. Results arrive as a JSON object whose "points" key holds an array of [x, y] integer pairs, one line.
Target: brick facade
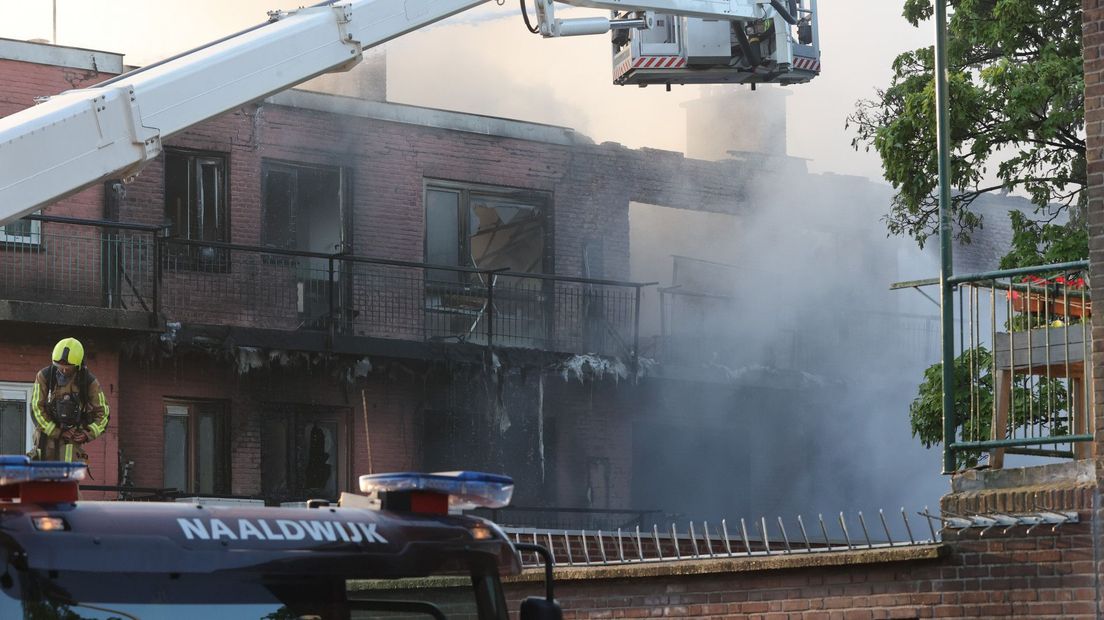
{"points": [[388, 164], [250, 399]]}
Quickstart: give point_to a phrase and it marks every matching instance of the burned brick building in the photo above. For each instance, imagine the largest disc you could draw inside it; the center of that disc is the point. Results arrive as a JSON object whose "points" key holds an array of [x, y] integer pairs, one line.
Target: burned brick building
{"points": [[313, 287]]}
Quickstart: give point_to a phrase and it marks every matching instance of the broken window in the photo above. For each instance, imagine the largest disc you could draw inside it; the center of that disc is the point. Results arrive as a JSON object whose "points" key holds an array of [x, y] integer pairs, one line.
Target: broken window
{"points": [[484, 228], [197, 448], [303, 452], [197, 206]]}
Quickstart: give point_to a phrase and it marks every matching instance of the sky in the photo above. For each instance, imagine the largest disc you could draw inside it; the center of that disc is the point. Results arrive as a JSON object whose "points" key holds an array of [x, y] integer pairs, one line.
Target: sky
{"points": [[485, 62]]}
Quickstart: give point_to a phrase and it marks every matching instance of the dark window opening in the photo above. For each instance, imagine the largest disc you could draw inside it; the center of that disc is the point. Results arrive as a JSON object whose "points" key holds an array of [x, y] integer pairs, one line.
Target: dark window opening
{"points": [[197, 206], [305, 209], [197, 447], [304, 452]]}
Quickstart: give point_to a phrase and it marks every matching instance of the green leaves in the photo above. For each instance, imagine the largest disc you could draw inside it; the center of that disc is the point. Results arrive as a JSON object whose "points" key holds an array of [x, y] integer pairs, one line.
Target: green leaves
{"points": [[973, 398], [1045, 243], [1034, 401], [1016, 91]]}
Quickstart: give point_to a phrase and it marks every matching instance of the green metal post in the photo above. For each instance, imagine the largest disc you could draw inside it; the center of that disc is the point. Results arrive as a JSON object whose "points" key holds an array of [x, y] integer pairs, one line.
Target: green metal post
{"points": [[946, 287]]}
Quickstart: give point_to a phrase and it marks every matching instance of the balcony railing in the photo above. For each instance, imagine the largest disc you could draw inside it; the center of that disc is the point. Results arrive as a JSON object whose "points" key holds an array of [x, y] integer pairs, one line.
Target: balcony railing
{"points": [[110, 265], [1023, 350], [78, 263], [696, 328]]}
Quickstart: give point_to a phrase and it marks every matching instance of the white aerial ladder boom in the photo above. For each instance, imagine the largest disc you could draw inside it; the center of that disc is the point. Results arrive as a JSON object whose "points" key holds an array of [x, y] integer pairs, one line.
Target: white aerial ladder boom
{"points": [[71, 141]]}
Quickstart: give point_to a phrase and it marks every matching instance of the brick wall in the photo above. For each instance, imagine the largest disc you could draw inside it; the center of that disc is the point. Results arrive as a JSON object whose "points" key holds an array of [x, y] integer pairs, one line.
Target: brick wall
{"points": [[593, 437], [1035, 576], [249, 399], [1094, 159]]}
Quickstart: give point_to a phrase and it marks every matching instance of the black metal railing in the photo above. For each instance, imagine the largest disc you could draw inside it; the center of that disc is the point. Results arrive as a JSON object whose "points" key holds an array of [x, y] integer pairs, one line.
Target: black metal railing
{"points": [[137, 267], [66, 264]]}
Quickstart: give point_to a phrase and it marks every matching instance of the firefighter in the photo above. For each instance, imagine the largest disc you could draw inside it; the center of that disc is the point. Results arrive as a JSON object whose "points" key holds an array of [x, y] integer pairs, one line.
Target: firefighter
{"points": [[68, 406]]}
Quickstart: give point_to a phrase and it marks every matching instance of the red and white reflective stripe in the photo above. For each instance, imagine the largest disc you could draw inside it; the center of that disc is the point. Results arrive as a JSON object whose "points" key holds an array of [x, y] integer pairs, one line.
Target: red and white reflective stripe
{"points": [[650, 62], [659, 62], [622, 68], [807, 64]]}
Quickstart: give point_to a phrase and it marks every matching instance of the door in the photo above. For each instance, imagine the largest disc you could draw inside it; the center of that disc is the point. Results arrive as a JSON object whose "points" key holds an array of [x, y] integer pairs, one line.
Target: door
{"points": [[305, 210], [305, 452]]}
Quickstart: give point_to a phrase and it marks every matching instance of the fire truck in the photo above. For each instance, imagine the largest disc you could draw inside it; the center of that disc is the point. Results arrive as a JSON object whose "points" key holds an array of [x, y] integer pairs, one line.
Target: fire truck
{"points": [[401, 551]]}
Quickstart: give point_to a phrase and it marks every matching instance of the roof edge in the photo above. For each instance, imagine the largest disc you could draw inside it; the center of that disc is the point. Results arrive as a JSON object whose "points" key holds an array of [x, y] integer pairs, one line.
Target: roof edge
{"points": [[429, 117], [61, 56]]}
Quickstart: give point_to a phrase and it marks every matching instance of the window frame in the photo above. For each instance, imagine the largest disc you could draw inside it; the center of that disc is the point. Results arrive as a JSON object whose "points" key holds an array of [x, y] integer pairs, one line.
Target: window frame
{"points": [[187, 256], [292, 416], [540, 199], [32, 240], [221, 448], [344, 198], [27, 390]]}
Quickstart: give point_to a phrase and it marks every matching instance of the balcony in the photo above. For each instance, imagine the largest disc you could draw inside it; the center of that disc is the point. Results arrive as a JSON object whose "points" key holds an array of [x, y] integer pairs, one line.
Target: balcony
{"points": [[79, 274], [1023, 347], [131, 276]]}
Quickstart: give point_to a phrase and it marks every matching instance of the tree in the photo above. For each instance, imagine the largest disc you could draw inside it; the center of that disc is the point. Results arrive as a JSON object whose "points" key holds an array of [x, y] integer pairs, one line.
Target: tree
{"points": [[1016, 90], [1041, 403]]}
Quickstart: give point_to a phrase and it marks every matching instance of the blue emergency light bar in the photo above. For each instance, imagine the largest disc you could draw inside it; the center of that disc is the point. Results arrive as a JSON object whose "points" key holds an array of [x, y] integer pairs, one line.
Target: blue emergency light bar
{"points": [[15, 469], [465, 489]]}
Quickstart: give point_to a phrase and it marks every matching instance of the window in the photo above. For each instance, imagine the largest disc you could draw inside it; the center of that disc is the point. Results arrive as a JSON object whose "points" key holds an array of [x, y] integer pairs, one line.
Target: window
{"points": [[485, 228], [304, 452], [27, 232], [488, 228], [15, 410], [196, 204], [197, 449], [304, 206], [305, 209]]}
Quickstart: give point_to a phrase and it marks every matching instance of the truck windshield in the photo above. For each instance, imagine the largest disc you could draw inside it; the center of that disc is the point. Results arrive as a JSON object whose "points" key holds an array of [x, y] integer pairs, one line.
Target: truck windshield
{"points": [[83, 595]]}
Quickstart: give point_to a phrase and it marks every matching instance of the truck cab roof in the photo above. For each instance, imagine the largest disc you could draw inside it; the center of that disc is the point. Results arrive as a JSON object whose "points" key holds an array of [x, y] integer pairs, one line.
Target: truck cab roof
{"points": [[196, 538]]}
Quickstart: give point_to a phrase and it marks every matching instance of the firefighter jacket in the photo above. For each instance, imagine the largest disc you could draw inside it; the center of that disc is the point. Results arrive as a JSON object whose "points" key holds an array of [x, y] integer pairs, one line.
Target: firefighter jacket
{"points": [[94, 413]]}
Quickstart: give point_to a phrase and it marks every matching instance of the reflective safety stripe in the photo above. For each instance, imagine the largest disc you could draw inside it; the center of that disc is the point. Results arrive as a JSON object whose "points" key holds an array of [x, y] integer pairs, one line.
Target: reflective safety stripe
{"points": [[98, 428], [43, 422], [68, 453]]}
